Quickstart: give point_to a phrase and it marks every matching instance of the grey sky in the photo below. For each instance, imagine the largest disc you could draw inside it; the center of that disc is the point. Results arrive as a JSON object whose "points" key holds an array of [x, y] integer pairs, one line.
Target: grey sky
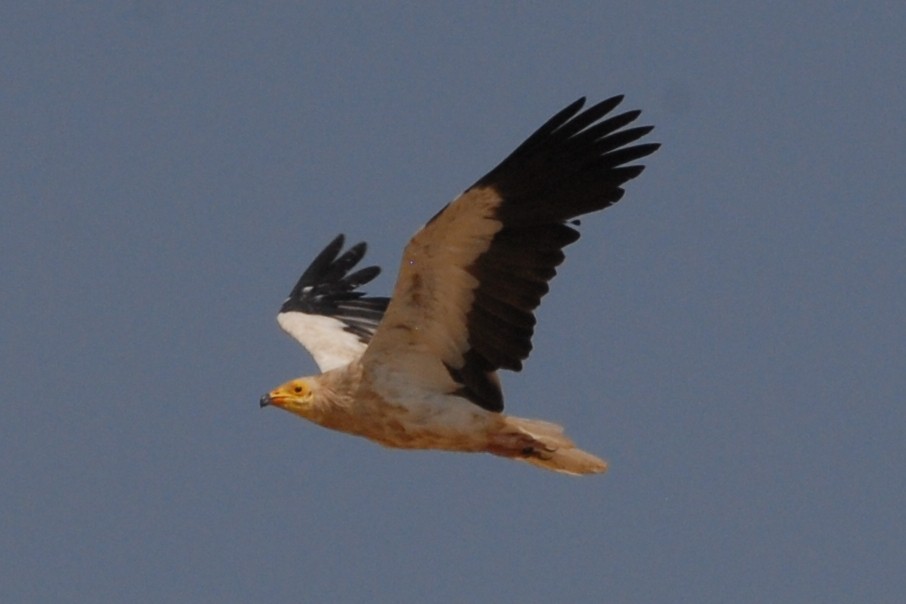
{"points": [[730, 336]]}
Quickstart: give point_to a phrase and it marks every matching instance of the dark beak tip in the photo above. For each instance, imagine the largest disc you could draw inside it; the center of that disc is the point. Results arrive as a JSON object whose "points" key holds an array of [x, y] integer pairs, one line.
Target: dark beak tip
{"points": [[264, 401]]}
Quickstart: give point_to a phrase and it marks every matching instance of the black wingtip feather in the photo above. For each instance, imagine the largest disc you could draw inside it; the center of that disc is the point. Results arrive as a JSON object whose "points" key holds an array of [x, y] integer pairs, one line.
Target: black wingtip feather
{"points": [[575, 163], [550, 126], [319, 266], [327, 288]]}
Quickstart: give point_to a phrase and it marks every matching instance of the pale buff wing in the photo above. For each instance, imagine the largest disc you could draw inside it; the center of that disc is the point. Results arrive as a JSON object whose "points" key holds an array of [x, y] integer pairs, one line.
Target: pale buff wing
{"points": [[470, 280], [326, 314]]}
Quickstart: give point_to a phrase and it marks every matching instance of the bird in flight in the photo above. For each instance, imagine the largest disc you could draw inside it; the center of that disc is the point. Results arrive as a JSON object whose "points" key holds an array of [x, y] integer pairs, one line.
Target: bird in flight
{"points": [[419, 370]]}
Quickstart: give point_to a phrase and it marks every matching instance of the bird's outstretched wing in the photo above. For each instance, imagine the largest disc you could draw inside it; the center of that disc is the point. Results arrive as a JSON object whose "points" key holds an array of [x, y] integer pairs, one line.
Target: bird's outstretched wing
{"points": [[326, 314], [470, 280]]}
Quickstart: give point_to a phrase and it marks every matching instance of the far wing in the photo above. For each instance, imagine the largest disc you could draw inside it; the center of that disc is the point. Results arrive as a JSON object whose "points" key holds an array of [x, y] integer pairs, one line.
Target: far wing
{"points": [[325, 313], [471, 279]]}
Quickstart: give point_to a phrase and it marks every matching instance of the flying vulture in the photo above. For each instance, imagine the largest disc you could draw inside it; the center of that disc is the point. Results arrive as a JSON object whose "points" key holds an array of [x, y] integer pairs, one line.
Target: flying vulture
{"points": [[419, 370]]}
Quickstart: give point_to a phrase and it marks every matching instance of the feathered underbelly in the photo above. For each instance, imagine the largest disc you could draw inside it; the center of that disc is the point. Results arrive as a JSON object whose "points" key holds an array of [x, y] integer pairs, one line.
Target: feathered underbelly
{"points": [[451, 424]]}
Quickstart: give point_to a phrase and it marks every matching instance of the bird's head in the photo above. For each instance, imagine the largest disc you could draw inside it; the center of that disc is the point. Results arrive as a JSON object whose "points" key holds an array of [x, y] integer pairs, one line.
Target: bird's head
{"points": [[295, 396]]}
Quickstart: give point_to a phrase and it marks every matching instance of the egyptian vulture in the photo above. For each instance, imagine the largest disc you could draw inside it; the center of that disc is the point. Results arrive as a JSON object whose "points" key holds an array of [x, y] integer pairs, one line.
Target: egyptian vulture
{"points": [[419, 370]]}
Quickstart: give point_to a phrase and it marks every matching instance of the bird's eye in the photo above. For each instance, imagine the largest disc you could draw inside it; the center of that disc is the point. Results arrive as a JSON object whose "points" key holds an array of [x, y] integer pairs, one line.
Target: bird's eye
{"points": [[297, 389]]}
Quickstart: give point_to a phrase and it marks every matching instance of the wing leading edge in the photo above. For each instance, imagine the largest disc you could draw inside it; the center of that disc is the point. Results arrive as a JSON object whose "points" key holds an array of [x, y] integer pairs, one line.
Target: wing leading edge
{"points": [[471, 279]]}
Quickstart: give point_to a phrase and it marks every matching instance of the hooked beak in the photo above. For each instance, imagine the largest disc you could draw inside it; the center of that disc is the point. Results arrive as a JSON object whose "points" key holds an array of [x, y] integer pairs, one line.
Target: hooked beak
{"points": [[274, 397]]}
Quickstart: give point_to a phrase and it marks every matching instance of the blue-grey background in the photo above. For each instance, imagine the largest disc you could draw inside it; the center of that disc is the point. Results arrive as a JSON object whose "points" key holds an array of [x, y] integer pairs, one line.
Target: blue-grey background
{"points": [[730, 336]]}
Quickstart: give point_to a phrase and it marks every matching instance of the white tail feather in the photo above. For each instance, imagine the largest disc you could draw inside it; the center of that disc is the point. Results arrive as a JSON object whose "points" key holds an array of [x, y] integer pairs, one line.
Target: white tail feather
{"points": [[551, 449]]}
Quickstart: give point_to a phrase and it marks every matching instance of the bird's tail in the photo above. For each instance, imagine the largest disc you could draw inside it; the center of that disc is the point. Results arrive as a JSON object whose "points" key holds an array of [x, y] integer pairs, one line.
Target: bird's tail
{"points": [[544, 444]]}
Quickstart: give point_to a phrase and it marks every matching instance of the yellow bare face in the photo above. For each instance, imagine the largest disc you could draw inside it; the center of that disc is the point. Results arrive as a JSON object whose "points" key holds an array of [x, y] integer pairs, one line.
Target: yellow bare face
{"points": [[295, 396]]}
